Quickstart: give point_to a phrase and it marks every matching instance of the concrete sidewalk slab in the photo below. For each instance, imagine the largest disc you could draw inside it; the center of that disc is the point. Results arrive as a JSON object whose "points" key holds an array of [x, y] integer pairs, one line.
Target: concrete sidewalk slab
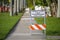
{"points": [[22, 31]]}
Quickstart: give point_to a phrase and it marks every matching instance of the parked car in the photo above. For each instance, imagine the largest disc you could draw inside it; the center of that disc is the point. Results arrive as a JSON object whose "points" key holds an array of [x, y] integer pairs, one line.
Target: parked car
{"points": [[4, 8]]}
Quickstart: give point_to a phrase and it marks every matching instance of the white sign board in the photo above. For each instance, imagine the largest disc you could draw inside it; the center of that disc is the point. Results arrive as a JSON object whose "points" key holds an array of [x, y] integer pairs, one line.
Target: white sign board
{"points": [[36, 13], [33, 13]]}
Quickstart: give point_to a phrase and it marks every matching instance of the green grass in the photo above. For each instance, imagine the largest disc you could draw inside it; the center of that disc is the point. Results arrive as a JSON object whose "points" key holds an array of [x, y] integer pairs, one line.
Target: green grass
{"points": [[52, 39], [6, 23], [53, 25]]}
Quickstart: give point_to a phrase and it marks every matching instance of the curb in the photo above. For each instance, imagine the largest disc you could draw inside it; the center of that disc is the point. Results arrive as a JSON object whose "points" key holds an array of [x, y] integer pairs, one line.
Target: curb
{"points": [[53, 37]]}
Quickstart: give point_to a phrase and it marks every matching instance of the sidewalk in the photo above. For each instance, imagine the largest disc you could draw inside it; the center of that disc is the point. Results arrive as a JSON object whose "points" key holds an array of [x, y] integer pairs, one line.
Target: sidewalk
{"points": [[22, 31]]}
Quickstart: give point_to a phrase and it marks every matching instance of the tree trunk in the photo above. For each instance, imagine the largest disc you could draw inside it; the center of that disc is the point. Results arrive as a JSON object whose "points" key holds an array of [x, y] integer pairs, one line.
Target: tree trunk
{"points": [[53, 9], [18, 6], [34, 3], [58, 12], [11, 9], [15, 7], [21, 5], [24, 5]]}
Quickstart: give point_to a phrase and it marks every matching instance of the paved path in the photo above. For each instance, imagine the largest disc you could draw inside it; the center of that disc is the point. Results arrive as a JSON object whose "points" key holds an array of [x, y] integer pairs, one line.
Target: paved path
{"points": [[53, 37], [22, 31]]}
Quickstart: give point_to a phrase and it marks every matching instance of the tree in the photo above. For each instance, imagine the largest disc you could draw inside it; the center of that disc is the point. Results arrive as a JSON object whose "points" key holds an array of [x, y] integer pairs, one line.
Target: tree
{"points": [[45, 3], [11, 9], [53, 7], [4, 2], [21, 5], [18, 6], [15, 7], [34, 3], [38, 2], [58, 12], [41, 2], [29, 3]]}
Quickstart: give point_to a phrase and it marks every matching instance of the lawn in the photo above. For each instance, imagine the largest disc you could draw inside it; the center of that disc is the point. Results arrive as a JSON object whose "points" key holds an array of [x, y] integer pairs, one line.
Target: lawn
{"points": [[7, 22], [52, 39], [53, 25]]}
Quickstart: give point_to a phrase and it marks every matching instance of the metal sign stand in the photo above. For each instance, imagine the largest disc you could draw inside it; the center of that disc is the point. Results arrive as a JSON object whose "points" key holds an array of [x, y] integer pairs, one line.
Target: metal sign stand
{"points": [[36, 15]]}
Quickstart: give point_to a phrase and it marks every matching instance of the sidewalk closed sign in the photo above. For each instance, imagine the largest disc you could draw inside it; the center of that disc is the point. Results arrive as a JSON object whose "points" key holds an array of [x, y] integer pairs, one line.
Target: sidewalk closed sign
{"points": [[37, 13]]}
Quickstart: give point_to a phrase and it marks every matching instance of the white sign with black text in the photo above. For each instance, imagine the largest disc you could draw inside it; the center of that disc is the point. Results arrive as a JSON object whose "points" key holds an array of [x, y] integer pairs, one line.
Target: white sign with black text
{"points": [[37, 13]]}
